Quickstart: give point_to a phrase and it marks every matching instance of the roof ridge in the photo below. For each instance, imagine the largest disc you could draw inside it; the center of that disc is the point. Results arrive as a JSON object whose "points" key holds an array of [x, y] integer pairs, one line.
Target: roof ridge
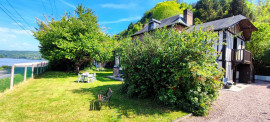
{"points": [[171, 17]]}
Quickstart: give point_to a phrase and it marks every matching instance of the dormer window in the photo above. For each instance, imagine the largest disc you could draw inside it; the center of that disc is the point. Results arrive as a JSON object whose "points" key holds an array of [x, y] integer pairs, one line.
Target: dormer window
{"points": [[153, 24]]}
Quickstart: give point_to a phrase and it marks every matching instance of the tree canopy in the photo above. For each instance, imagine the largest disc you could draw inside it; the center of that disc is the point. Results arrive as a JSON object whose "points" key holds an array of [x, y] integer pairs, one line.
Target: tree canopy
{"points": [[73, 41]]}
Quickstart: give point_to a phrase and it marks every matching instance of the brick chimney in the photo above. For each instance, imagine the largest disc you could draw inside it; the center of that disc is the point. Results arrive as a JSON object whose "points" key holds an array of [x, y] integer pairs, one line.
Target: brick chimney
{"points": [[188, 16]]}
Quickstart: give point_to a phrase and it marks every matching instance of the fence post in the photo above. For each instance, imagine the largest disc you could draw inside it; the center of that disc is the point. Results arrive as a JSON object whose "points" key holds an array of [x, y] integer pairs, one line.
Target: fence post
{"points": [[41, 68], [25, 72], [12, 77], [37, 69], [32, 75]]}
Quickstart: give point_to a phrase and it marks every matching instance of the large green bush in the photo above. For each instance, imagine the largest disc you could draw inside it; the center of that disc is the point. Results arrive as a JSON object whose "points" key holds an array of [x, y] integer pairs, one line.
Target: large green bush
{"points": [[177, 69]]}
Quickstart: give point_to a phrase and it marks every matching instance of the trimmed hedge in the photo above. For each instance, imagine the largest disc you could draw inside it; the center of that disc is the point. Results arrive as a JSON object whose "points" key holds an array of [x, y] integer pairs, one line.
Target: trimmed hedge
{"points": [[177, 69]]}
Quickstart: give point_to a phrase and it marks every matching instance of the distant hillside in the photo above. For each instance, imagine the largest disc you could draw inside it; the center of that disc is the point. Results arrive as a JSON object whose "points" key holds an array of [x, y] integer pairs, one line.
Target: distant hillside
{"points": [[35, 55]]}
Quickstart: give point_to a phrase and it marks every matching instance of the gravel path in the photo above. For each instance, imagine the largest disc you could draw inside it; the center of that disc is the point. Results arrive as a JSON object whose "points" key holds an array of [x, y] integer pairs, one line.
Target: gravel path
{"points": [[248, 105]]}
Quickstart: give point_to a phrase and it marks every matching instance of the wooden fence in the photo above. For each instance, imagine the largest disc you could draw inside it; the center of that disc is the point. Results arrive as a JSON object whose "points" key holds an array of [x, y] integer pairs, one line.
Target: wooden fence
{"points": [[40, 67]]}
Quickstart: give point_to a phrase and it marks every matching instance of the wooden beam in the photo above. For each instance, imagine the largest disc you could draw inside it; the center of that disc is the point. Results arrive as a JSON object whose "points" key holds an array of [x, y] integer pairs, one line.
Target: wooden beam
{"points": [[28, 64], [12, 77], [25, 72], [32, 75], [37, 69]]}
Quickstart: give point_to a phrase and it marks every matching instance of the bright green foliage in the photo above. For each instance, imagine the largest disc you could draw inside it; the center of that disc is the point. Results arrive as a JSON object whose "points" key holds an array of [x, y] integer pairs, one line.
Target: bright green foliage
{"points": [[262, 12], [161, 11], [259, 45], [1, 56], [177, 69], [164, 10], [73, 41]]}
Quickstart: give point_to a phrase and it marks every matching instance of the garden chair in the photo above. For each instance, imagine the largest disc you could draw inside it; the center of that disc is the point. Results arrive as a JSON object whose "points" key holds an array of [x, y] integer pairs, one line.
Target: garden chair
{"points": [[105, 98], [95, 78], [90, 77], [80, 78]]}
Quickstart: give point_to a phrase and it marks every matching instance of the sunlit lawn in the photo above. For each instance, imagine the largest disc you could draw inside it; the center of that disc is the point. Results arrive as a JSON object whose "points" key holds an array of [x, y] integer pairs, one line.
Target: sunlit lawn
{"points": [[55, 96]]}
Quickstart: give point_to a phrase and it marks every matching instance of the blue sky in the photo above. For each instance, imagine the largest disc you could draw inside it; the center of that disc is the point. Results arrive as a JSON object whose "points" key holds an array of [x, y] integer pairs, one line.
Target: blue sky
{"points": [[114, 15]]}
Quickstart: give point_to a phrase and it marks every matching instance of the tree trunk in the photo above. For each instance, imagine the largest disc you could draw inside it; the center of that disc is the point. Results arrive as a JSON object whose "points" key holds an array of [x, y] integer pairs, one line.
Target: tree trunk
{"points": [[77, 69]]}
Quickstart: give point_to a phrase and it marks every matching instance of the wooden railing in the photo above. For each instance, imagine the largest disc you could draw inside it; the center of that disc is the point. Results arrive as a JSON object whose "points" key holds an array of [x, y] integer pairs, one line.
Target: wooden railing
{"points": [[40, 68], [241, 56]]}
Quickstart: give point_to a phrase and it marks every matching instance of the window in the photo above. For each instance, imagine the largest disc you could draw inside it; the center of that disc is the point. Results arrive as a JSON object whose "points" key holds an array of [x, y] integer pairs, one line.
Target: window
{"points": [[151, 26]]}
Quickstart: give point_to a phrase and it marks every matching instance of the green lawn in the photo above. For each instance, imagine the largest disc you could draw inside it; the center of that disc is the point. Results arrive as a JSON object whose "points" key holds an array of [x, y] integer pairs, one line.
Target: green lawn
{"points": [[55, 96]]}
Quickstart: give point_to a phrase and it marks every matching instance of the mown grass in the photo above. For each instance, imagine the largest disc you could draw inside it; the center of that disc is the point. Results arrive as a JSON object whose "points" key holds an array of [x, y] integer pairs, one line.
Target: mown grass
{"points": [[56, 96], [18, 77]]}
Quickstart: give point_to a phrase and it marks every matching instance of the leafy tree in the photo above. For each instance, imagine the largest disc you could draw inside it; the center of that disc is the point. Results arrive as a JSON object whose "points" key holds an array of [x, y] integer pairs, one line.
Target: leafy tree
{"points": [[73, 41], [262, 12], [259, 45], [209, 10], [1, 56], [205, 10], [239, 7]]}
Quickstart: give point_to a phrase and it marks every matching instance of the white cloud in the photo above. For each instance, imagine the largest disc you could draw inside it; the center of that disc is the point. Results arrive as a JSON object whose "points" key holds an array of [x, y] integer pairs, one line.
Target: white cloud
{"points": [[4, 37], [15, 31], [68, 4], [17, 23], [22, 46], [25, 44], [119, 6], [121, 20]]}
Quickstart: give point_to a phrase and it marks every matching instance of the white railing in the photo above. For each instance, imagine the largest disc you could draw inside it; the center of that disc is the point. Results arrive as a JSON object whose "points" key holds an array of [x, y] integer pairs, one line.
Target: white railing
{"points": [[40, 67], [239, 55]]}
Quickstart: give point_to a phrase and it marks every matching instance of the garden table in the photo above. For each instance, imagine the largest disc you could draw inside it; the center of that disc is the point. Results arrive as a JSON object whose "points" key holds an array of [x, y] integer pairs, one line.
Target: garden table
{"points": [[88, 76]]}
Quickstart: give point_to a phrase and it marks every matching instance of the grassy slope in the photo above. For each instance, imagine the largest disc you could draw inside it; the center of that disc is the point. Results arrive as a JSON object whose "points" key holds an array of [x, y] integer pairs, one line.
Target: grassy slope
{"points": [[55, 96], [18, 77]]}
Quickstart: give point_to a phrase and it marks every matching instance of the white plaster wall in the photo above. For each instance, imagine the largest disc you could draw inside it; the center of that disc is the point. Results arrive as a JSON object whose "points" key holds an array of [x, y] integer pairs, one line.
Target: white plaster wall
{"points": [[229, 71]]}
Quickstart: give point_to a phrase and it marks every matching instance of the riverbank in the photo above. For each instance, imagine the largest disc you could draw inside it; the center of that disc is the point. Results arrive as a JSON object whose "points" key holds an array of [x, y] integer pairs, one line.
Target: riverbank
{"points": [[4, 72]]}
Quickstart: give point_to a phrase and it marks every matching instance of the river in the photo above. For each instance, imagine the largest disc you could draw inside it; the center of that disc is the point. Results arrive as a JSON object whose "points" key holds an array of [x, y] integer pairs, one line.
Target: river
{"points": [[11, 61]]}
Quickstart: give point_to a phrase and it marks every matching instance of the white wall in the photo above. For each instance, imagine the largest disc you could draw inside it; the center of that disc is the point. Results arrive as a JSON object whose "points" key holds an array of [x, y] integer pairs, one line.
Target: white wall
{"points": [[229, 47]]}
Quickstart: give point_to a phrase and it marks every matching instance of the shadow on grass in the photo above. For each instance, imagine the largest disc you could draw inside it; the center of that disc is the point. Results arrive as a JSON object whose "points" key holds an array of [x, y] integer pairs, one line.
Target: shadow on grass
{"points": [[51, 74], [124, 104], [101, 76]]}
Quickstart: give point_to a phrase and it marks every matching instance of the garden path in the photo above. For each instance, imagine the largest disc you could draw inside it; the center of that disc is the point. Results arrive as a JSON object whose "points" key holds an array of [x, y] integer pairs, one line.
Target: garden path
{"points": [[248, 105]]}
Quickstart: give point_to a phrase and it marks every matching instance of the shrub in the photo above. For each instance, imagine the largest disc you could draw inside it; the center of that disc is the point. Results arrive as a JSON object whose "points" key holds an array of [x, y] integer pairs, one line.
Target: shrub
{"points": [[177, 69]]}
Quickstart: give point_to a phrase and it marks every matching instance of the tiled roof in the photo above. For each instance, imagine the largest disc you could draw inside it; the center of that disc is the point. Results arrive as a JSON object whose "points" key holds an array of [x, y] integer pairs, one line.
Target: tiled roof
{"points": [[168, 21], [221, 23], [246, 26]]}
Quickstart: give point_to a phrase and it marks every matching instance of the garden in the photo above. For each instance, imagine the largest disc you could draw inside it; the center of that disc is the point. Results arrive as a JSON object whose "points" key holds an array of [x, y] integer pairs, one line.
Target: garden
{"points": [[166, 76], [56, 96]]}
